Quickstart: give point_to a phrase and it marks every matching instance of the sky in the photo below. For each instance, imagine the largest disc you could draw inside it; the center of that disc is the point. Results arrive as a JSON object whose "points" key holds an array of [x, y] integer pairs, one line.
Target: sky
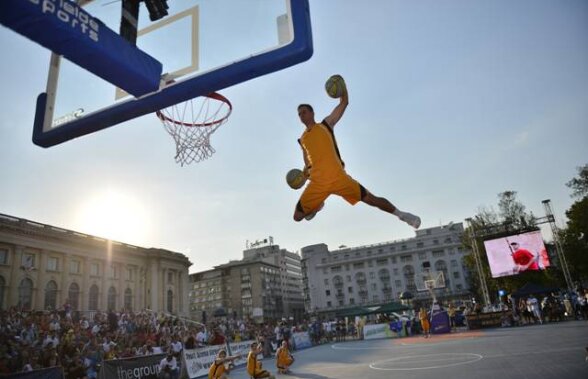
{"points": [[451, 102]]}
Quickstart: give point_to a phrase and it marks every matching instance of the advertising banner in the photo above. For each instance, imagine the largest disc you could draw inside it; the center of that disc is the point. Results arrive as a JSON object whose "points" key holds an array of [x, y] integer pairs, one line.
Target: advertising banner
{"points": [[400, 328], [198, 361], [45, 373], [487, 320], [144, 367], [440, 322], [242, 348], [377, 331], [301, 340]]}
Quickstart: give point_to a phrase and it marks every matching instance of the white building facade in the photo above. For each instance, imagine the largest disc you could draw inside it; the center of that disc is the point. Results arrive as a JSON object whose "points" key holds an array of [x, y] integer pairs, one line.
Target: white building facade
{"points": [[380, 273], [265, 285], [290, 266]]}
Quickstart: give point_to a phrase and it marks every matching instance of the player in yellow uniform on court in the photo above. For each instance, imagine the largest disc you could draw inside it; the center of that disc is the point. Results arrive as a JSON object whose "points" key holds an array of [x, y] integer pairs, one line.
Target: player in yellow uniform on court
{"points": [[220, 368], [254, 367], [283, 358], [326, 171]]}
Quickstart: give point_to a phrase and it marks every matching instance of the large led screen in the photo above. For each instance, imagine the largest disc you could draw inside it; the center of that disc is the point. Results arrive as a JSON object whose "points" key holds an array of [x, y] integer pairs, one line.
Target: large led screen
{"points": [[516, 254]]}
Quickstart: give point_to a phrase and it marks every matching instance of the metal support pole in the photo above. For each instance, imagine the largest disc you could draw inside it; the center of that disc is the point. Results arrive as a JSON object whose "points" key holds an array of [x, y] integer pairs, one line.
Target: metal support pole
{"points": [[479, 267], [558, 248]]}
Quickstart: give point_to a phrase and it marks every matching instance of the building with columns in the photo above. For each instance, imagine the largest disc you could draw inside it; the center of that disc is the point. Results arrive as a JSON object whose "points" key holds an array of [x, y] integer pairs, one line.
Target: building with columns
{"points": [[44, 267]]}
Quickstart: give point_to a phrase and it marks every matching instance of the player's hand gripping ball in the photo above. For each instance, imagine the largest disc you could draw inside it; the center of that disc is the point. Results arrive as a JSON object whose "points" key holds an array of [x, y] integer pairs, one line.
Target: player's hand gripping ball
{"points": [[335, 86], [295, 178]]}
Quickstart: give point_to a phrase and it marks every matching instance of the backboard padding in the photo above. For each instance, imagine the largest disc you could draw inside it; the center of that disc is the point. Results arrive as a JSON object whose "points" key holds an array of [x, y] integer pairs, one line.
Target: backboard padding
{"points": [[235, 41]]}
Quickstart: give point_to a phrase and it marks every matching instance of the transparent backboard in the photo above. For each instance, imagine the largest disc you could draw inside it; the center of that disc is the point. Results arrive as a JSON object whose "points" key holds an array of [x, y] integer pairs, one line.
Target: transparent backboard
{"points": [[430, 280], [204, 46]]}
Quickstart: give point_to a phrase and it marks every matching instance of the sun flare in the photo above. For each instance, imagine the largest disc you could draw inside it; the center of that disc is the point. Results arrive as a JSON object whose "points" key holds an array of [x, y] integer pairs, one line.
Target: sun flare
{"points": [[115, 215]]}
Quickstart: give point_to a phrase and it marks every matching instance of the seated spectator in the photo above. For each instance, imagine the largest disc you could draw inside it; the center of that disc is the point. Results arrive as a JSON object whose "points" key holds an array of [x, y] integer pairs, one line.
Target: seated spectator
{"points": [[168, 367]]}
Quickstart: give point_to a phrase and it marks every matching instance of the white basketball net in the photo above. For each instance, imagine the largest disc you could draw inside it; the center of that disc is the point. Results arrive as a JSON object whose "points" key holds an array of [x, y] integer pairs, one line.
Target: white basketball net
{"points": [[192, 123]]}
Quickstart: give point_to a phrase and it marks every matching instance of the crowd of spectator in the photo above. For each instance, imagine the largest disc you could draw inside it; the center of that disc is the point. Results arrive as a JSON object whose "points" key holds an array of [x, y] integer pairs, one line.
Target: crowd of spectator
{"points": [[80, 342], [552, 307], [538, 309]]}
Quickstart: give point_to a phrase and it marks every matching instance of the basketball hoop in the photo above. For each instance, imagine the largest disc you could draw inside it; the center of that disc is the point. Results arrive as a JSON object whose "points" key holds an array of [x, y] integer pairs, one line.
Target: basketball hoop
{"points": [[191, 123], [430, 285]]}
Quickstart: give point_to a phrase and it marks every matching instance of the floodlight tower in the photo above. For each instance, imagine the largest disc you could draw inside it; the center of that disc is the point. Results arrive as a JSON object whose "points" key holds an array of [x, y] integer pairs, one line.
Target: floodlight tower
{"points": [[558, 248]]}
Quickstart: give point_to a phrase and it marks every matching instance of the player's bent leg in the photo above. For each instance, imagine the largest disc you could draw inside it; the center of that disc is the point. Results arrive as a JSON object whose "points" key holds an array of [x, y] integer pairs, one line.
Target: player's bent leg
{"points": [[310, 216], [311, 201], [378, 202], [299, 214], [386, 206]]}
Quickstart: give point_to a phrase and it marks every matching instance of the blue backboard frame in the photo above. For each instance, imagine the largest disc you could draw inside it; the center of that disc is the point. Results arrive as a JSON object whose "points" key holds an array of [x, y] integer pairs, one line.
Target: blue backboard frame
{"points": [[299, 50]]}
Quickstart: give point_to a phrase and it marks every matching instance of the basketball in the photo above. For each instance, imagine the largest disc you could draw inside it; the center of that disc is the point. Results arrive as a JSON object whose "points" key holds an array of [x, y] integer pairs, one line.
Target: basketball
{"points": [[335, 86], [295, 178]]}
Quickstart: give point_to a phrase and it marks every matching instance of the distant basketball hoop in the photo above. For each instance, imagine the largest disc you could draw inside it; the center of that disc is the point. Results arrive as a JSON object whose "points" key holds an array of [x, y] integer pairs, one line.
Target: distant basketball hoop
{"points": [[431, 282], [191, 124], [430, 285]]}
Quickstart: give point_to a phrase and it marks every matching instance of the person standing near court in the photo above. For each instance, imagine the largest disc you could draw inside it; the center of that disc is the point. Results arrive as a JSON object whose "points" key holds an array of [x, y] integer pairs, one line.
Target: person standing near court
{"points": [[425, 324], [533, 307], [451, 314]]}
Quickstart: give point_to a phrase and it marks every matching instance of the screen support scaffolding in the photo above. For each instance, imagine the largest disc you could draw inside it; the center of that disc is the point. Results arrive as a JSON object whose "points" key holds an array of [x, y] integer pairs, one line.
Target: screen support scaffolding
{"points": [[549, 218], [481, 275], [487, 230]]}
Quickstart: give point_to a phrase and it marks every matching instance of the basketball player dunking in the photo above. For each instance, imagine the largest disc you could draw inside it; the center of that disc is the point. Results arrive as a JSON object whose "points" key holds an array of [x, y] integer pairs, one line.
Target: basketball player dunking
{"points": [[326, 170]]}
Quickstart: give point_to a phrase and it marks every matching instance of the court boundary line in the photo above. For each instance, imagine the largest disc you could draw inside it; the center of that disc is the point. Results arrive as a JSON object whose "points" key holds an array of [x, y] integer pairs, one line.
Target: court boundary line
{"points": [[478, 356]]}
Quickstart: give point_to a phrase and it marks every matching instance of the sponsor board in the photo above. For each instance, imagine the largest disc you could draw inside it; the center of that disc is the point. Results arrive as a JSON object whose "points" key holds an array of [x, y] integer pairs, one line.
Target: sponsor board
{"points": [[198, 361], [301, 340], [377, 331], [144, 367], [242, 348]]}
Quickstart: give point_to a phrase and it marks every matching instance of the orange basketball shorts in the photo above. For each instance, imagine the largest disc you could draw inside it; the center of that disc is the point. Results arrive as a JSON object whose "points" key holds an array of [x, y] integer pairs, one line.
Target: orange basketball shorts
{"points": [[317, 191]]}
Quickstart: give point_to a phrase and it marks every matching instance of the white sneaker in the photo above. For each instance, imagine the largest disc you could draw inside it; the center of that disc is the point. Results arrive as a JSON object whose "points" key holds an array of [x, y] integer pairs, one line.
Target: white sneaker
{"points": [[412, 220], [311, 215]]}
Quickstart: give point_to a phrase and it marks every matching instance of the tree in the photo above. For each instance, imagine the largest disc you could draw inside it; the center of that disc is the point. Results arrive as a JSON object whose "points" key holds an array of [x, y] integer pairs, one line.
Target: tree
{"points": [[574, 238], [513, 211], [580, 184], [511, 218]]}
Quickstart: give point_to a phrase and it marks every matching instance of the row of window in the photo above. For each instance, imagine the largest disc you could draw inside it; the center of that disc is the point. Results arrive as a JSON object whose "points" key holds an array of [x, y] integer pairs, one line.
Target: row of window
{"points": [[375, 298], [440, 265], [393, 249], [374, 286], [383, 262], [205, 299], [25, 296], [75, 266], [207, 284], [362, 300]]}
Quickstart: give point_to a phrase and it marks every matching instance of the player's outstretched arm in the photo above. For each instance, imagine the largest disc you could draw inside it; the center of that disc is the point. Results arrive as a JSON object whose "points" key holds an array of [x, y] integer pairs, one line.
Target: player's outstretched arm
{"points": [[337, 113]]}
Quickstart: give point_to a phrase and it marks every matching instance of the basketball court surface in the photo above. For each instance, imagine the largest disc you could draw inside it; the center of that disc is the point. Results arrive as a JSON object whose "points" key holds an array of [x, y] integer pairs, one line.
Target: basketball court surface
{"points": [[538, 352]]}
